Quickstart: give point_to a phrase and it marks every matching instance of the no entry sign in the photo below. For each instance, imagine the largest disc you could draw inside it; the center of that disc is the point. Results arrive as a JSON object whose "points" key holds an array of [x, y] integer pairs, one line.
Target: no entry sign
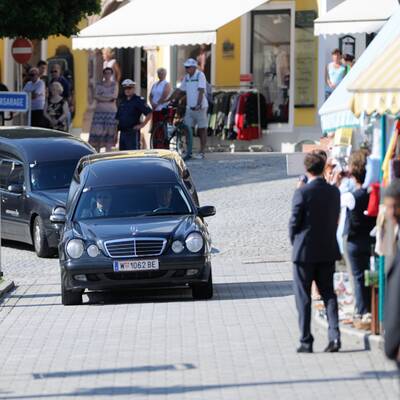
{"points": [[22, 50]]}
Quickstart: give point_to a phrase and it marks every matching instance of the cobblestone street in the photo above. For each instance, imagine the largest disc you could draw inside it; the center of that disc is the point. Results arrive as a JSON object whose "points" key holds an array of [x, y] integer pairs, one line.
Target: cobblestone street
{"points": [[162, 344]]}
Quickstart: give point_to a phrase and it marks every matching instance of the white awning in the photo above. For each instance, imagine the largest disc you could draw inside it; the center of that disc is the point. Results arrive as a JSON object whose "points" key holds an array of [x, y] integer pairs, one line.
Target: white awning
{"points": [[162, 23], [336, 111], [355, 16]]}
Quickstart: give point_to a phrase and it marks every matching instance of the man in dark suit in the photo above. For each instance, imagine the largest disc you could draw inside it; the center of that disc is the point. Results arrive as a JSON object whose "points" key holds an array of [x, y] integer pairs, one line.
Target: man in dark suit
{"points": [[392, 301], [312, 229]]}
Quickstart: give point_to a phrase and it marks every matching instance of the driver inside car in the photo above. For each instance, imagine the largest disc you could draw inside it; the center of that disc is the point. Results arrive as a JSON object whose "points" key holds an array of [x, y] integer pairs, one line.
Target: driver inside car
{"points": [[99, 206], [164, 198]]}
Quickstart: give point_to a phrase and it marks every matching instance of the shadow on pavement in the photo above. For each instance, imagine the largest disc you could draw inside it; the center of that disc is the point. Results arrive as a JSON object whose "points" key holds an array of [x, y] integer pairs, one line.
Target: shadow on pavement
{"points": [[222, 291], [114, 391], [130, 370]]}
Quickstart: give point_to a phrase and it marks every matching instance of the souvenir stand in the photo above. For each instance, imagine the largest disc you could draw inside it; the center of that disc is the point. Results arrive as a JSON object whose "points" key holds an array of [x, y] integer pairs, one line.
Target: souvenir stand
{"points": [[377, 91]]}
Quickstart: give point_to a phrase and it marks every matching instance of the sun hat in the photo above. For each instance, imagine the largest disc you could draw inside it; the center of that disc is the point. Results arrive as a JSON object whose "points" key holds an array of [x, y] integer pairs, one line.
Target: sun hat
{"points": [[190, 62], [128, 82]]}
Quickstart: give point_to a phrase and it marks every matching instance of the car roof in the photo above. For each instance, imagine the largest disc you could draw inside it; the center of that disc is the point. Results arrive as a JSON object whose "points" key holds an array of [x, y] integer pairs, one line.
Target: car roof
{"points": [[40, 144], [130, 171], [134, 154]]}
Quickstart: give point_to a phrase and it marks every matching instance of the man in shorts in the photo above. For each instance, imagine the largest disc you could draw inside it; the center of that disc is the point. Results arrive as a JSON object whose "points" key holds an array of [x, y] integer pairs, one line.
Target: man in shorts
{"points": [[194, 85]]}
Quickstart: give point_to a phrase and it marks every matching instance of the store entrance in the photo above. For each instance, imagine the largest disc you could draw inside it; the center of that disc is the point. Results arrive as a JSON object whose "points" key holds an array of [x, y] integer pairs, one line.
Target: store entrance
{"points": [[270, 62]]}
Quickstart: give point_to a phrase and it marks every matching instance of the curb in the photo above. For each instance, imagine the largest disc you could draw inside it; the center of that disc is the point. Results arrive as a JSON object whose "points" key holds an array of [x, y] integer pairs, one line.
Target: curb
{"points": [[5, 287], [355, 336]]}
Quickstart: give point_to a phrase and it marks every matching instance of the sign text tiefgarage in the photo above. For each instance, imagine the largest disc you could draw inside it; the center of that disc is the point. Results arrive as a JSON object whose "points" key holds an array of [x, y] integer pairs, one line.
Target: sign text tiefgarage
{"points": [[14, 101]]}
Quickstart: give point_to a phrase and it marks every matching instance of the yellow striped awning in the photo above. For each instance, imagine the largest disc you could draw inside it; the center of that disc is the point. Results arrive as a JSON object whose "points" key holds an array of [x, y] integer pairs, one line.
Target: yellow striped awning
{"points": [[378, 88]]}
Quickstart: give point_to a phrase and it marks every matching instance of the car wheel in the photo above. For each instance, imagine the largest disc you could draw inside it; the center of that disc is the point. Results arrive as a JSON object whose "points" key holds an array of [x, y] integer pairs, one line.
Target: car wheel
{"points": [[40, 243], [69, 297], [203, 290]]}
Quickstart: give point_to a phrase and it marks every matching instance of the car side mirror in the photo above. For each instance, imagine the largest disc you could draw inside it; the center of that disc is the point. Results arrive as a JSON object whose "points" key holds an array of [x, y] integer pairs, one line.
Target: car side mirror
{"points": [[58, 216], [206, 211], [16, 188]]}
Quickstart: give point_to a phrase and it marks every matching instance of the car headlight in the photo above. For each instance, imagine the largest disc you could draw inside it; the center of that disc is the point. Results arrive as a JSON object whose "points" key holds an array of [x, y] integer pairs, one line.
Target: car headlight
{"points": [[194, 242], [75, 248], [177, 246], [93, 250]]}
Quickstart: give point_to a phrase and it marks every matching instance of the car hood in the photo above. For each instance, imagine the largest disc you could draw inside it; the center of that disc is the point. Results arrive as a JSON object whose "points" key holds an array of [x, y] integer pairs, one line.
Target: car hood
{"points": [[122, 228], [57, 197]]}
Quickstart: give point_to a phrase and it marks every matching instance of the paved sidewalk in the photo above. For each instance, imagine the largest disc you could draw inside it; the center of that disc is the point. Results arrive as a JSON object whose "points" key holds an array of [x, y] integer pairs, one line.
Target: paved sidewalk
{"points": [[163, 345]]}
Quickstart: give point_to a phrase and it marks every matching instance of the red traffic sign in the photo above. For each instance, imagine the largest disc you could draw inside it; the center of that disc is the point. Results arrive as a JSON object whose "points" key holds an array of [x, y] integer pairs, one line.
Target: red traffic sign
{"points": [[22, 50]]}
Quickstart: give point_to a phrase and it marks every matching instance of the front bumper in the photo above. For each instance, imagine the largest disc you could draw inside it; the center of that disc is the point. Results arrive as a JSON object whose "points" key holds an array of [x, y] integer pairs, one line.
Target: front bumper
{"points": [[100, 275]]}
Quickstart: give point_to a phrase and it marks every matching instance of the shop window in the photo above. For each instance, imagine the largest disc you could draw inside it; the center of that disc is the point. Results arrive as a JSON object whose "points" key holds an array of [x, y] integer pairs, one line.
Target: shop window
{"points": [[270, 60], [201, 53]]}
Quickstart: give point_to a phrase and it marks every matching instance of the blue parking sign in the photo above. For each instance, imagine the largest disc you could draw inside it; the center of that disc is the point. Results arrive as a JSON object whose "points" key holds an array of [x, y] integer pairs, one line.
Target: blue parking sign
{"points": [[14, 101]]}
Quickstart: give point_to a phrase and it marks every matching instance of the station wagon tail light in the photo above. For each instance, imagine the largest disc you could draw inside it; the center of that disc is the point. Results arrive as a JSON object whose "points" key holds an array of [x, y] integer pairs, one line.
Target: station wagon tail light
{"points": [[93, 250], [177, 246], [75, 248], [194, 242]]}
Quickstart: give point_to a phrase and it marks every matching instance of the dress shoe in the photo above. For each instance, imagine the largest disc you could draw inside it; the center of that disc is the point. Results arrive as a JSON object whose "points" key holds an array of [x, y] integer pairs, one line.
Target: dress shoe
{"points": [[333, 346], [305, 348]]}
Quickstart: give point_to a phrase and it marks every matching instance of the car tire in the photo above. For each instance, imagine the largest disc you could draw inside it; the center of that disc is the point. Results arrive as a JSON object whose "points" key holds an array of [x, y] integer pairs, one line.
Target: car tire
{"points": [[203, 290], [70, 297], [39, 239]]}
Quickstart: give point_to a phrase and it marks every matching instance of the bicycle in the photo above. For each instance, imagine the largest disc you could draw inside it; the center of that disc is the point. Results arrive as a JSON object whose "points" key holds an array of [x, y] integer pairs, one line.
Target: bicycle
{"points": [[172, 134]]}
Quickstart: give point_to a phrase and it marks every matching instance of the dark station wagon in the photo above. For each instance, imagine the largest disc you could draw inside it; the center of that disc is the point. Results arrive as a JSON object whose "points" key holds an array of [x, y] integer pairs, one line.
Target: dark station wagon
{"points": [[36, 168], [131, 222]]}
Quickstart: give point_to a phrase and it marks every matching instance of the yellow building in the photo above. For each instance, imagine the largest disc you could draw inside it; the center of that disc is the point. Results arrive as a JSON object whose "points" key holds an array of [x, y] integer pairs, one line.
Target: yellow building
{"points": [[273, 45]]}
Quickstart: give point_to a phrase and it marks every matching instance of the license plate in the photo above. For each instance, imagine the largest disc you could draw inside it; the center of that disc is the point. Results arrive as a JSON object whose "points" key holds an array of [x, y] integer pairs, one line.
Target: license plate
{"points": [[136, 265]]}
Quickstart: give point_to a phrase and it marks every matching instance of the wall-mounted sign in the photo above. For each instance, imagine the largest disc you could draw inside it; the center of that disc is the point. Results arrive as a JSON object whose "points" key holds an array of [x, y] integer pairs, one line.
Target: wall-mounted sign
{"points": [[228, 49], [305, 59], [347, 45]]}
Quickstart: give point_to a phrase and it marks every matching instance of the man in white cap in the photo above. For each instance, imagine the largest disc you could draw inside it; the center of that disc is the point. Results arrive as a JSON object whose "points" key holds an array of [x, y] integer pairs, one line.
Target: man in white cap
{"points": [[194, 85], [129, 113]]}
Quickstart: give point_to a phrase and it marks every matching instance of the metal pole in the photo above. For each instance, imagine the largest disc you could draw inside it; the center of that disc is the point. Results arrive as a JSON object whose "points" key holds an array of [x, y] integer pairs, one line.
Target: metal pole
{"points": [[1, 272], [381, 293], [29, 109]]}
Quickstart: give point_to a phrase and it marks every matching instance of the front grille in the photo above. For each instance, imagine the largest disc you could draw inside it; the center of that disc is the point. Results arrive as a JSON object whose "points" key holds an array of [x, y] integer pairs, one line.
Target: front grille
{"points": [[128, 248], [121, 276]]}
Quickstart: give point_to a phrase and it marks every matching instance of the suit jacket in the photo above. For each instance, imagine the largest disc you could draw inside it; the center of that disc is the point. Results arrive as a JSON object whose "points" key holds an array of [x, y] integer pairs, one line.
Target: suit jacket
{"points": [[314, 221], [392, 310]]}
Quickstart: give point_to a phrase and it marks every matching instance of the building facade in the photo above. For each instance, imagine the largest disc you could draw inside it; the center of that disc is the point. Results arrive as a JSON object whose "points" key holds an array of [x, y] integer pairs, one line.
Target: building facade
{"points": [[273, 46]]}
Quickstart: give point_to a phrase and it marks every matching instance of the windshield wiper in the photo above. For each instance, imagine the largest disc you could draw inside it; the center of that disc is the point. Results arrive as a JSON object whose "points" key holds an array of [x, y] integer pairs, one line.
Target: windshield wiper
{"points": [[164, 212]]}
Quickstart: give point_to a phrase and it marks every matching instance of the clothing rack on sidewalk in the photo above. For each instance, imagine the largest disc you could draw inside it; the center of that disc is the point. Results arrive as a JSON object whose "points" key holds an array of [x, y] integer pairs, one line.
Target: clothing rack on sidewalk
{"points": [[245, 88]]}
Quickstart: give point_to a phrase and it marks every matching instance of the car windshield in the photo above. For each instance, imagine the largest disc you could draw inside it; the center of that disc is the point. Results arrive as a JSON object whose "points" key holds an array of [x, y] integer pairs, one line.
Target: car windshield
{"points": [[132, 201], [52, 174]]}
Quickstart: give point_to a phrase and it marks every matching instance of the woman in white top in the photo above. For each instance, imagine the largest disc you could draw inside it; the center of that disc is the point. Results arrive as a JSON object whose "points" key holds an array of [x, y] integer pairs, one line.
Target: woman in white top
{"points": [[110, 62], [160, 91]]}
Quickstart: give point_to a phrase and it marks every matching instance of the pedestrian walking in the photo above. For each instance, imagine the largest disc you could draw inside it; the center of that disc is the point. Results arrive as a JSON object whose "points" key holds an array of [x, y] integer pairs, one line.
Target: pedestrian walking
{"points": [[194, 85], [103, 130], [56, 108], [392, 301], [129, 114], [37, 88], [312, 230]]}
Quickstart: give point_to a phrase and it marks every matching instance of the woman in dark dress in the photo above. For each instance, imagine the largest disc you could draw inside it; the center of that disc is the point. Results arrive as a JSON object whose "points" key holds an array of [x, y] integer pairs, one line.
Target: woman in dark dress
{"points": [[56, 108]]}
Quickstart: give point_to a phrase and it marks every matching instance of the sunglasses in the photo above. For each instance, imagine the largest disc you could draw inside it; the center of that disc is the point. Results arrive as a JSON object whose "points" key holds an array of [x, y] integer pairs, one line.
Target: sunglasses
{"points": [[54, 71]]}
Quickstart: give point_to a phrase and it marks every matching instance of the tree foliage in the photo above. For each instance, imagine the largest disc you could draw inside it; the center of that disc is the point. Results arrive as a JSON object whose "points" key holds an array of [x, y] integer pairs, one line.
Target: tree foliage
{"points": [[39, 19]]}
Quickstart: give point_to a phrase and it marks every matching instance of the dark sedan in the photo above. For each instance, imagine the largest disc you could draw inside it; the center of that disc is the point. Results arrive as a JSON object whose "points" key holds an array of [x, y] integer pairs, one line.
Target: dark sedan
{"points": [[131, 222], [36, 168]]}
